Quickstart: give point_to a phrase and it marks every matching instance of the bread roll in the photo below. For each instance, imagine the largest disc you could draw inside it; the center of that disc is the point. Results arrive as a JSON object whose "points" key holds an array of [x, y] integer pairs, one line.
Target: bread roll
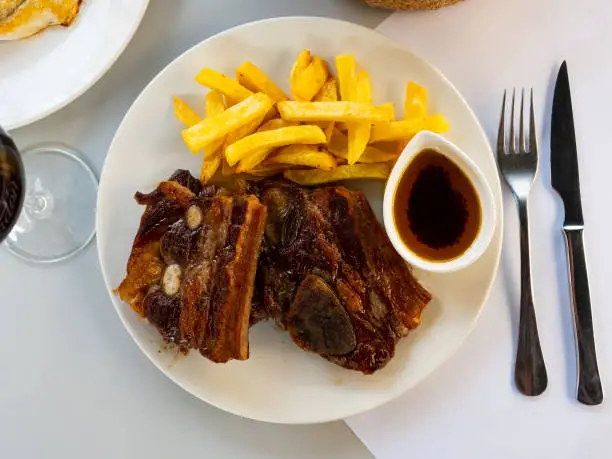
{"points": [[411, 4]]}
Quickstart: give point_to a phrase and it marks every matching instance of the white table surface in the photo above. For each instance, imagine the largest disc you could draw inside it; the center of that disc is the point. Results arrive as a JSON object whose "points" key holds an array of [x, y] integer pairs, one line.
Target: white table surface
{"points": [[72, 382], [469, 407]]}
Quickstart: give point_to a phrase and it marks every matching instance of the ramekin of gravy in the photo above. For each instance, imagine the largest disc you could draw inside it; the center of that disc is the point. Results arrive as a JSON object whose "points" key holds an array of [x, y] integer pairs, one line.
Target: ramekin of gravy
{"points": [[439, 210]]}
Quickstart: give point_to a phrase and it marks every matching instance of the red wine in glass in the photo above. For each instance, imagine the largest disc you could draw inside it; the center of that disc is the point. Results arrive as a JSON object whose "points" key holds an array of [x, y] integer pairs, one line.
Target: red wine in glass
{"points": [[12, 184]]}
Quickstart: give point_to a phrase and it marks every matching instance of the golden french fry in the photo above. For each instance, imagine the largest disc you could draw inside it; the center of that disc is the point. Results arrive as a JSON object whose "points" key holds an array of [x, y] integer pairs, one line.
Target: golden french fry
{"points": [[303, 155], [436, 123], [267, 170], [354, 88], [397, 130], [214, 106], [241, 133], [266, 140], [217, 81], [209, 168], [312, 177], [226, 169], [338, 145], [184, 113], [359, 136], [392, 147], [364, 88], [342, 126], [347, 77], [310, 80], [253, 160], [328, 93], [334, 111], [276, 123], [302, 62], [328, 129], [241, 114], [271, 115], [374, 155], [415, 105], [254, 79], [359, 133]]}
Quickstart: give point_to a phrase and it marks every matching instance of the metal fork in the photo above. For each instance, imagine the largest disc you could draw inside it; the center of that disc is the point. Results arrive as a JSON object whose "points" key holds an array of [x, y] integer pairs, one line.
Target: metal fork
{"points": [[518, 165]]}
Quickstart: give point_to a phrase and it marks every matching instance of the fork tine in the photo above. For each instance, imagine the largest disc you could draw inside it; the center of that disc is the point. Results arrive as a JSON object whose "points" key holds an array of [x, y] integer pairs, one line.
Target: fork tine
{"points": [[501, 135], [522, 143], [512, 144], [533, 138]]}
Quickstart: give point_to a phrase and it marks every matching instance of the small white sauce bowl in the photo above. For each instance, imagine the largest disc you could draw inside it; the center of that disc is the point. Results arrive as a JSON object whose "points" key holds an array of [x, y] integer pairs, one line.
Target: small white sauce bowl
{"points": [[427, 140]]}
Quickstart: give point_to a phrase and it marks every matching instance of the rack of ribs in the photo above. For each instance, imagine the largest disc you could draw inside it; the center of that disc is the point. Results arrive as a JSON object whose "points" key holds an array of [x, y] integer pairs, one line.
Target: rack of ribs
{"points": [[192, 267], [207, 263]]}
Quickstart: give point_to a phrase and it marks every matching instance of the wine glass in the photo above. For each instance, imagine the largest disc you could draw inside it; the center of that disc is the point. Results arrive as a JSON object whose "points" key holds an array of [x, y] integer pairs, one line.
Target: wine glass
{"points": [[47, 201]]}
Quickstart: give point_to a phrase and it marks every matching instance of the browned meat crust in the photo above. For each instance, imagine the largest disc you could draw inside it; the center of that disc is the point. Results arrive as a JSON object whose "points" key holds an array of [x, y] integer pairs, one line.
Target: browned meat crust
{"points": [[192, 268], [328, 242]]}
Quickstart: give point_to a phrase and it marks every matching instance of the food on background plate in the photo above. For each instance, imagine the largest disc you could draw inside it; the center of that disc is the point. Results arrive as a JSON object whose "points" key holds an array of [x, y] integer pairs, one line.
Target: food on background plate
{"points": [[327, 272], [259, 123], [24, 18]]}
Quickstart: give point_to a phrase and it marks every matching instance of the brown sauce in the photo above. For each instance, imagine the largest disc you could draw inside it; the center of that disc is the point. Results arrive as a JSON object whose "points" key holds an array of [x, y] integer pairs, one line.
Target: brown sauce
{"points": [[436, 209]]}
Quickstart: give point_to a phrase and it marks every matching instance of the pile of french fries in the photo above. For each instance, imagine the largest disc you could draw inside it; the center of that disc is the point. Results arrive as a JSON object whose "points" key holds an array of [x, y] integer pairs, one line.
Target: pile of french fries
{"points": [[329, 130]]}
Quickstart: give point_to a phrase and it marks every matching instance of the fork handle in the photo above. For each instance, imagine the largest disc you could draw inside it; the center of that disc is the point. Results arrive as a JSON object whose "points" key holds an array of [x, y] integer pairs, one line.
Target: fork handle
{"points": [[530, 371], [590, 391]]}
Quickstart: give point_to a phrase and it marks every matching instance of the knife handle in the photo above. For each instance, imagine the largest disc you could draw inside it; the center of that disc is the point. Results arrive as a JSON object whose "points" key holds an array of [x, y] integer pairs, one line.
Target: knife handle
{"points": [[590, 391]]}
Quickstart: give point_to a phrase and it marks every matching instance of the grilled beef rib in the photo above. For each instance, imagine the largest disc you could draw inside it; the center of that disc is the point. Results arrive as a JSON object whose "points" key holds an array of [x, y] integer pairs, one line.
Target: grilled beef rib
{"points": [[192, 268], [329, 274]]}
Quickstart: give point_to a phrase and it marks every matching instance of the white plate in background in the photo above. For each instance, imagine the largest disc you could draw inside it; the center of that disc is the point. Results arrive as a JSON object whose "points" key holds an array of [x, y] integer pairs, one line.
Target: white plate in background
{"points": [[43, 73], [281, 383]]}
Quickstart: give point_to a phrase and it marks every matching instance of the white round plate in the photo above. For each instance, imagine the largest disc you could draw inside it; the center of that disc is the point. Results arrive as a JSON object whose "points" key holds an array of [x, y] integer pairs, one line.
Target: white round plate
{"points": [[43, 73], [281, 383]]}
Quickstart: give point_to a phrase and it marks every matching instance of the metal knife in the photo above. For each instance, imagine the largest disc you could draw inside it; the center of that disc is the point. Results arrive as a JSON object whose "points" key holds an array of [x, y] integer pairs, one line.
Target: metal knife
{"points": [[565, 180]]}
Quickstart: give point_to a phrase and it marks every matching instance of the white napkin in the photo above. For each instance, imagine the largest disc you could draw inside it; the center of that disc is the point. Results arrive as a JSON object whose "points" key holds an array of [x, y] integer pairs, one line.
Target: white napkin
{"points": [[469, 408]]}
